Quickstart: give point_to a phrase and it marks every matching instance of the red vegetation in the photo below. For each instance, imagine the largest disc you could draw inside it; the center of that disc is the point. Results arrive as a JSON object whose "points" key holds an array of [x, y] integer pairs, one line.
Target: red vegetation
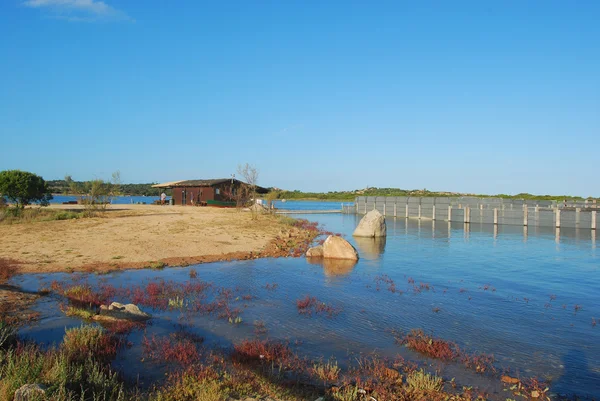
{"points": [[179, 347], [256, 350], [84, 294], [432, 347], [123, 326], [419, 341], [7, 268], [309, 305]]}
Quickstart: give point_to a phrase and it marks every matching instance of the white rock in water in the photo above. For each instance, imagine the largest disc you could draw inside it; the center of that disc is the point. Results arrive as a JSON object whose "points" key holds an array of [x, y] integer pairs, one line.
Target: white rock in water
{"points": [[371, 225], [120, 311], [338, 248]]}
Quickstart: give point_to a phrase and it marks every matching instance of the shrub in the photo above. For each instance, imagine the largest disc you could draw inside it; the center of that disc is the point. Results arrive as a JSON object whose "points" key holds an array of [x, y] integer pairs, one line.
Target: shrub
{"points": [[23, 188], [421, 381], [7, 334], [84, 342], [7, 268]]}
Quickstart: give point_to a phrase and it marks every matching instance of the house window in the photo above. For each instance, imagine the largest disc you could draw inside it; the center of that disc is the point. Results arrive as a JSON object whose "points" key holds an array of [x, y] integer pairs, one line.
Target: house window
{"points": [[217, 191]]}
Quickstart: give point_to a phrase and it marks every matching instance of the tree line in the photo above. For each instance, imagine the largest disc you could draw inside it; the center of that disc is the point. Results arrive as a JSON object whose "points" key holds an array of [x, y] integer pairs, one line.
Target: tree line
{"points": [[64, 187]]}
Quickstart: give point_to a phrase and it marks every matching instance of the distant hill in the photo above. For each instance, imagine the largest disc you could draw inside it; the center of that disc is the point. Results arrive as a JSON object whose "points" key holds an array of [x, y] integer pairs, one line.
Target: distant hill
{"points": [[61, 187], [351, 195]]}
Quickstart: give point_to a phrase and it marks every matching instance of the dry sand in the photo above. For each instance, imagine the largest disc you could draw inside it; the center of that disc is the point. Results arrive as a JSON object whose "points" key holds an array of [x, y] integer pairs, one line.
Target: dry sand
{"points": [[133, 236]]}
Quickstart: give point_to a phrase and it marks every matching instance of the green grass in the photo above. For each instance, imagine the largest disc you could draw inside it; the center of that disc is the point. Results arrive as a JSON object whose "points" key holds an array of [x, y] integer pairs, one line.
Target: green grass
{"points": [[79, 312], [157, 265], [76, 370], [35, 214]]}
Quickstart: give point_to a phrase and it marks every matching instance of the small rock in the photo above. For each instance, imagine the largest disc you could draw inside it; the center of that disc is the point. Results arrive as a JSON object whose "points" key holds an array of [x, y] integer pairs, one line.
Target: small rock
{"points": [[120, 311], [535, 394], [30, 392]]}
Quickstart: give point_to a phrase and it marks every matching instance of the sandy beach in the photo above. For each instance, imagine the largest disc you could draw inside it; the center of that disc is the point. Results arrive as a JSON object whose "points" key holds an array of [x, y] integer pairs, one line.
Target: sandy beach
{"points": [[135, 236]]}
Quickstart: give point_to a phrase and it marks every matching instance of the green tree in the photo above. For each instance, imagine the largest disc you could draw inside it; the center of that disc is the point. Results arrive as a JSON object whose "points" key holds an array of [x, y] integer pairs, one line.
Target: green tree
{"points": [[23, 188]]}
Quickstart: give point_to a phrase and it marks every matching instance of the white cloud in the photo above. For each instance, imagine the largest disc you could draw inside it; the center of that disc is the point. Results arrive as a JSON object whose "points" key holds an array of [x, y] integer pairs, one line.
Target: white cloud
{"points": [[78, 10]]}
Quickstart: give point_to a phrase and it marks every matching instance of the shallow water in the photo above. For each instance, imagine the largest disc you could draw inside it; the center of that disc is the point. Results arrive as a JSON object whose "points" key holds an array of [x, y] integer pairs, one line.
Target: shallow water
{"points": [[501, 291], [115, 200]]}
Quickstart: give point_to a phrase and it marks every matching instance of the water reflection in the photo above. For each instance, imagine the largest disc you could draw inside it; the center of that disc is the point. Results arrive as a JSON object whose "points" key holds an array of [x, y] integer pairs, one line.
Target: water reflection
{"points": [[338, 267], [370, 248], [334, 267]]}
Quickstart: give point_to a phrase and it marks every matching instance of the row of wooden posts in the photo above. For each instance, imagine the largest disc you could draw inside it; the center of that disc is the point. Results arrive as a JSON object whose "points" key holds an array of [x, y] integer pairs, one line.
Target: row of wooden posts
{"points": [[467, 213]]}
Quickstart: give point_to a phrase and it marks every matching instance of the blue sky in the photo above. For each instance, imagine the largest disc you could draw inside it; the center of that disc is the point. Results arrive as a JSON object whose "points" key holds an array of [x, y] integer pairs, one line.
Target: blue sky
{"points": [[470, 96]]}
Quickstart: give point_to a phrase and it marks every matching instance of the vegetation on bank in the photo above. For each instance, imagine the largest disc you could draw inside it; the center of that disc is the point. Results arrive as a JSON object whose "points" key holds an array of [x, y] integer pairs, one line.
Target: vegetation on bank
{"points": [[16, 216], [349, 196], [22, 188], [65, 187], [79, 368]]}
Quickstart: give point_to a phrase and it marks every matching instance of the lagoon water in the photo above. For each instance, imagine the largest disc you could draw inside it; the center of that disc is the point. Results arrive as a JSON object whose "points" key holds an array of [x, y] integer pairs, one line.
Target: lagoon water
{"points": [[528, 298], [115, 200]]}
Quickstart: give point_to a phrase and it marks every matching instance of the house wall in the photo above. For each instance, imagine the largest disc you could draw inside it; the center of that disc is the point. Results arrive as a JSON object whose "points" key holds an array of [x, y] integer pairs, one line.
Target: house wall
{"points": [[201, 194], [185, 195]]}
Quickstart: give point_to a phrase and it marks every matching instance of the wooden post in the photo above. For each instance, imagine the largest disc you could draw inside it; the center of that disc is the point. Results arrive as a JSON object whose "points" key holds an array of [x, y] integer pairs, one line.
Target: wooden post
{"points": [[365, 205], [384, 209], [419, 211], [525, 215], [496, 216], [594, 220], [557, 218], [406, 215], [395, 214], [577, 216], [449, 212], [467, 212], [433, 213]]}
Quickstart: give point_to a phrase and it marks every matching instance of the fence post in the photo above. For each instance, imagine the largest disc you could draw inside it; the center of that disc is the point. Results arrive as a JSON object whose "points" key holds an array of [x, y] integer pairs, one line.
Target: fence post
{"points": [[395, 214], [577, 216], [384, 209], [525, 215], [406, 209], [433, 213], [449, 212], [495, 216], [419, 211], [466, 214], [365, 205], [557, 218], [594, 220]]}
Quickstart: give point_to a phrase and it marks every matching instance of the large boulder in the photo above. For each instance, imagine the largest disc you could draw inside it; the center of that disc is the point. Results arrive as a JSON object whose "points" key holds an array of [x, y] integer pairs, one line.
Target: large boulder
{"points": [[120, 311], [30, 392], [371, 225], [336, 247]]}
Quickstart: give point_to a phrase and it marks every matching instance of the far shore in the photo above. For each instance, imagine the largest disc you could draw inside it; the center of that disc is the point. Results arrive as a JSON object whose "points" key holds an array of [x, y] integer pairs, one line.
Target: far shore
{"points": [[140, 236]]}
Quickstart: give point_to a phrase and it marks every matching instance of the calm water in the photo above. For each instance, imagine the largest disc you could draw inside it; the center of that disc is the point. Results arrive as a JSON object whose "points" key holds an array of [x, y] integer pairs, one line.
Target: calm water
{"points": [[526, 317], [310, 205], [117, 200]]}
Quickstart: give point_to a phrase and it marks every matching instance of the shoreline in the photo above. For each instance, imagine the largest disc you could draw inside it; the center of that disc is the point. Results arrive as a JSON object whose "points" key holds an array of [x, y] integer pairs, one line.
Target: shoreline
{"points": [[141, 236]]}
